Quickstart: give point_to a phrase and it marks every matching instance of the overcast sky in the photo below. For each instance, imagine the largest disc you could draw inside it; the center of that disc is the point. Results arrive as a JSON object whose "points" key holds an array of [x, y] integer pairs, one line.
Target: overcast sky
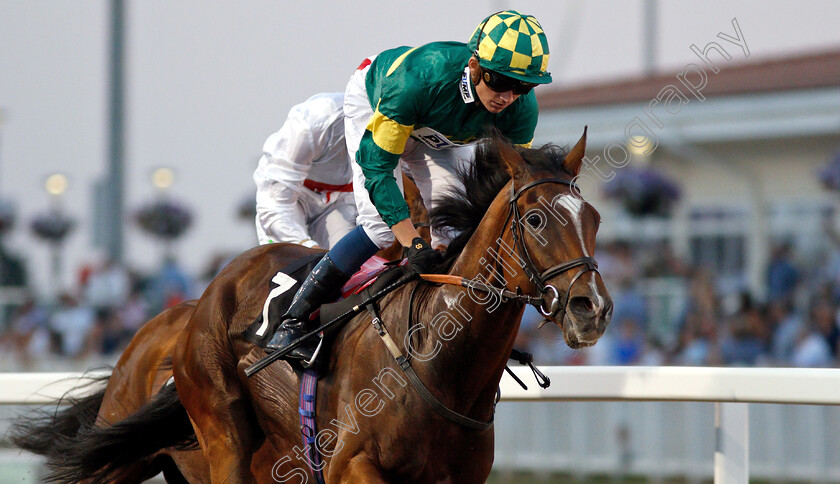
{"points": [[208, 81]]}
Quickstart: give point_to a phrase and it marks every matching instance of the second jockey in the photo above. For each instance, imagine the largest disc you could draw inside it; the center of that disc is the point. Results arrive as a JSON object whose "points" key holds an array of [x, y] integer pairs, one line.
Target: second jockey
{"points": [[304, 180]]}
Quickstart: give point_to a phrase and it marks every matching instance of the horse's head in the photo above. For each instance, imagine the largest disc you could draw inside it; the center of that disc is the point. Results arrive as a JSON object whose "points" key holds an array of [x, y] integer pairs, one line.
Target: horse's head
{"points": [[554, 233]]}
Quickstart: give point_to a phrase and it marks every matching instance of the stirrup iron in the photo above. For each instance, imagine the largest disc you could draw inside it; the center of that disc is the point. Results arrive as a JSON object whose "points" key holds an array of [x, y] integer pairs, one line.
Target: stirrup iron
{"points": [[308, 364]]}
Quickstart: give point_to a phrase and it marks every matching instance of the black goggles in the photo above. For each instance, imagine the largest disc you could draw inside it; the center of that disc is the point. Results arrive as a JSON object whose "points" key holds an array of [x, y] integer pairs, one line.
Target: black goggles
{"points": [[501, 83]]}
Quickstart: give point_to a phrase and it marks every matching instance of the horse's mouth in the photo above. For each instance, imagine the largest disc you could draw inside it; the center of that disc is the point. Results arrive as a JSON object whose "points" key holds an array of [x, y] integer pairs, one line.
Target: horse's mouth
{"points": [[575, 343], [574, 338]]}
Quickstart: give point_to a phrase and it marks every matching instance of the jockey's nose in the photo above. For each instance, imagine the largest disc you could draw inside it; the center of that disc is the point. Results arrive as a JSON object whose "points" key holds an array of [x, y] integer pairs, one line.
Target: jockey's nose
{"points": [[507, 96]]}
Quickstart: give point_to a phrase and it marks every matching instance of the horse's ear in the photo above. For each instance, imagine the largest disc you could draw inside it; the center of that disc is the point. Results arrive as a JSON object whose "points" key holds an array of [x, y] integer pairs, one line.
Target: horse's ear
{"points": [[511, 160], [574, 159]]}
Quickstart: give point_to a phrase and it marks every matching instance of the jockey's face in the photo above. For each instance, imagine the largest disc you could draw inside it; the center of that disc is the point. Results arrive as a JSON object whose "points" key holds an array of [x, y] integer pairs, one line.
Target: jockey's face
{"points": [[493, 101]]}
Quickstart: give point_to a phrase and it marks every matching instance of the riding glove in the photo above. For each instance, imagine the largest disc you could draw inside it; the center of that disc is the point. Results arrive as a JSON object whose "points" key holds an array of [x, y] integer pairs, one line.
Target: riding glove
{"points": [[422, 259]]}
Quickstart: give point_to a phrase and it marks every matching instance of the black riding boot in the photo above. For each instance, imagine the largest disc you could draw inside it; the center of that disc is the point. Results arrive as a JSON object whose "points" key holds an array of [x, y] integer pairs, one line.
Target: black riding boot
{"points": [[321, 285]]}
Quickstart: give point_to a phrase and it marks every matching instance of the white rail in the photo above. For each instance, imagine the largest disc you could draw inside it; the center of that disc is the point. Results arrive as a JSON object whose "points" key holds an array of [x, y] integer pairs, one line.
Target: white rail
{"points": [[731, 388], [40, 388], [809, 386]]}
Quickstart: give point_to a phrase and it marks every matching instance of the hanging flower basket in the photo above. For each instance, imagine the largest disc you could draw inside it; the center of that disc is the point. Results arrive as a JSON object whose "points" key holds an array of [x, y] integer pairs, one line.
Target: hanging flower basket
{"points": [[166, 220], [7, 216], [52, 226], [643, 191], [829, 174]]}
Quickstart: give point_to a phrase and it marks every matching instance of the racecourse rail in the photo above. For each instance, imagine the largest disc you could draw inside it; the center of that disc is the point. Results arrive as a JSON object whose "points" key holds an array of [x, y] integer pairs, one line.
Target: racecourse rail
{"points": [[732, 390]]}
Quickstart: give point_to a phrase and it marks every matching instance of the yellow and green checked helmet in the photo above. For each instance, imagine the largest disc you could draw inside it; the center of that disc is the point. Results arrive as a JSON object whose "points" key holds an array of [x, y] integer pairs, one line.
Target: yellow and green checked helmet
{"points": [[512, 44]]}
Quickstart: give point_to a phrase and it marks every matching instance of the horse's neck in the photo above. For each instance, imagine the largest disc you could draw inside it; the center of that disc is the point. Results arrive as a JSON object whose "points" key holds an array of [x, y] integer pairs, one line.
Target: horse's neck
{"points": [[479, 350]]}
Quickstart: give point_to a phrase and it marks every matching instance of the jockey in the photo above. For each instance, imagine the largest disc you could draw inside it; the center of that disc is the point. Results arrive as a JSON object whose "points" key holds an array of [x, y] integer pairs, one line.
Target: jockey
{"points": [[420, 109], [304, 187]]}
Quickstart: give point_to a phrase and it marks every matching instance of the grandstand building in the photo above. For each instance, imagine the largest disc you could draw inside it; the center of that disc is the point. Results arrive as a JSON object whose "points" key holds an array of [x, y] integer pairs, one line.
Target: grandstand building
{"points": [[744, 144]]}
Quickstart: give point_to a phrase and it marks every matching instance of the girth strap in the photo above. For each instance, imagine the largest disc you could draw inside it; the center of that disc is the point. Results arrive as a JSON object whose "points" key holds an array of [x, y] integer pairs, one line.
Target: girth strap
{"points": [[405, 366]]}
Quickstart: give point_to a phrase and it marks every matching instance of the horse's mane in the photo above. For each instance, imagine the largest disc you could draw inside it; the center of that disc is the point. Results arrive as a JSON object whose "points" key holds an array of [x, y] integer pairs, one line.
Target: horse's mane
{"points": [[461, 209]]}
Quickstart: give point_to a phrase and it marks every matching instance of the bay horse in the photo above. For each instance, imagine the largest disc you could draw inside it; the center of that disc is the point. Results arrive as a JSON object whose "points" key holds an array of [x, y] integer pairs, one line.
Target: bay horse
{"points": [[520, 220], [138, 376], [523, 228]]}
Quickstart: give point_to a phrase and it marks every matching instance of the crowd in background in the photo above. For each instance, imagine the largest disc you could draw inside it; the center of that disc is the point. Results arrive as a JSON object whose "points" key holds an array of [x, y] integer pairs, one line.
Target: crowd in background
{"points": [[98, 316], [795, 324]]}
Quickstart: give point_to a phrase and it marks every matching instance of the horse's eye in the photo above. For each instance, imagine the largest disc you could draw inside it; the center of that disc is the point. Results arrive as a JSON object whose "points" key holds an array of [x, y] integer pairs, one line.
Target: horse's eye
{"points": [[533, 221]]}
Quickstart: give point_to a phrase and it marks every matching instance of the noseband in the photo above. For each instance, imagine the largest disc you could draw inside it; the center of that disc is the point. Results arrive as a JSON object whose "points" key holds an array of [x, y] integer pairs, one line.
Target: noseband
{"points": [[559, 302]]}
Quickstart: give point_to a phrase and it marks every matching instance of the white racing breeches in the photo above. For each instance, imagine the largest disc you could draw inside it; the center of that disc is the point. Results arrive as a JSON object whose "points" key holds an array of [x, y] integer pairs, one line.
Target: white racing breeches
{"points": [[326, 222]]}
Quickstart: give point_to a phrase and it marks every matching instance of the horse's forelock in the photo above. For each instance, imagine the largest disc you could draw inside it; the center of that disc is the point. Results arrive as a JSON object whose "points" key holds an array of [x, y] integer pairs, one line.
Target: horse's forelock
{"points": [[549, 157]]}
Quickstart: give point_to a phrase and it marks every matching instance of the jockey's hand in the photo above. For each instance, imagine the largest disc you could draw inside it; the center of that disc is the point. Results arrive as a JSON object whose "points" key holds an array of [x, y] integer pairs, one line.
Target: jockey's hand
{"points": [[422, 258]]}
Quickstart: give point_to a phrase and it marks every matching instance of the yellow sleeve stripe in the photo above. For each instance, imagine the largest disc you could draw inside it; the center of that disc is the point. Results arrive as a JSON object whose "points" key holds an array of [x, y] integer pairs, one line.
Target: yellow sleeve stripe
{"points": [[526, 145], [399, 61], [388, 134]]}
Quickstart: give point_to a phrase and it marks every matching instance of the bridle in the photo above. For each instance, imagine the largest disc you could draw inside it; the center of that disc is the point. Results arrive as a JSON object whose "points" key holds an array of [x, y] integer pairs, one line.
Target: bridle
{"points": [[557, 305], [559, 302]]}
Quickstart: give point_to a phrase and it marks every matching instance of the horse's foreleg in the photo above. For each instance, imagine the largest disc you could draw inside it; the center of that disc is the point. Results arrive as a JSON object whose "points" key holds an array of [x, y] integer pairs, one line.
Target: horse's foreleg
{"points": [[217, 406], [223, 427], [361, 469]]}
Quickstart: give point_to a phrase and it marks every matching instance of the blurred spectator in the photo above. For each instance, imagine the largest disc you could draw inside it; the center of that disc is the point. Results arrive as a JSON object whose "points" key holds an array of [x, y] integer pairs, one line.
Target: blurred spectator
{"points": [[106, 336], [628, 321], [107, 288], [653, 354], [823, 320], [133, 314], [829, 272], [28, 334], [12, 269], [629, 345], [697, 340], [664, 263], [12, 275], [616, 263], [170, 287], [629, 304], [813, 347], [782, 275], [786, 326], [748, 339], [71, 324]]}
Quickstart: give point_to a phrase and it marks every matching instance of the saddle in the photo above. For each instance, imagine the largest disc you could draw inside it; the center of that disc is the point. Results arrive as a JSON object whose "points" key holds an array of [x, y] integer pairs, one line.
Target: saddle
{"points": [[374, 274]]}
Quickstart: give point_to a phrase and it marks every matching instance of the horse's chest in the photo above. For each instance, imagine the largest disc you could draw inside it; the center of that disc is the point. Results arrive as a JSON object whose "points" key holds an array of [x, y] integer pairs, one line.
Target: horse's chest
{"points": [[428, 451]]}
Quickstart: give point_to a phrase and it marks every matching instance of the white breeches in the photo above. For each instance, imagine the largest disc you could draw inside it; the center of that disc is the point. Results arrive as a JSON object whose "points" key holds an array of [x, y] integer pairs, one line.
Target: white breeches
{"points": [[326, 223]]}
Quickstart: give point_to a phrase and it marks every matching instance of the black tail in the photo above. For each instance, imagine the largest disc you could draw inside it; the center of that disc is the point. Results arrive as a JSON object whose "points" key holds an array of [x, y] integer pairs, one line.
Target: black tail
{"points": [[39, 432], [98, 453]]}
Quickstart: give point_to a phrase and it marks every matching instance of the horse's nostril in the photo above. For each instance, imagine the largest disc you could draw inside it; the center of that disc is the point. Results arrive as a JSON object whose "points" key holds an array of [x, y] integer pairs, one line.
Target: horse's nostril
{"points": [[582, 306]]}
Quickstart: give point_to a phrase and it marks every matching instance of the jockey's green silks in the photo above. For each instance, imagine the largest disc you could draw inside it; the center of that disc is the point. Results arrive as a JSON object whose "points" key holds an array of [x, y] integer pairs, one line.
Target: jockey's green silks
{"points": [[426, 93]]}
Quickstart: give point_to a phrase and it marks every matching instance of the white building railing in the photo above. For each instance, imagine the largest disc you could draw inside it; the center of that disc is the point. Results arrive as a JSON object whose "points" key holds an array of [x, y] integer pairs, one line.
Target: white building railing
{"points": [[732, 389]]}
